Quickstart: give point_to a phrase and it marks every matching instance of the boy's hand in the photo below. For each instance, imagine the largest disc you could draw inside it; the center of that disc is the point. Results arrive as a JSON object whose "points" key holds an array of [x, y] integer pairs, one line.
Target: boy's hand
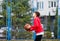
{"points": [[27, 27]]}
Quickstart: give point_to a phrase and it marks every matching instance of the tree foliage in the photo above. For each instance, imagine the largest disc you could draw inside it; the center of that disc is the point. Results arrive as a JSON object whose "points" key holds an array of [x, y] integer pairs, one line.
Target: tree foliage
{"points": [[56, 23], [21, 15]]}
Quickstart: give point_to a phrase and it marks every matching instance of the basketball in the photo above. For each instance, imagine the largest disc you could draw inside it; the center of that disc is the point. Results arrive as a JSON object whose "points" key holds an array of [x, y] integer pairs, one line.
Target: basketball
{"points": [[27, 27]]}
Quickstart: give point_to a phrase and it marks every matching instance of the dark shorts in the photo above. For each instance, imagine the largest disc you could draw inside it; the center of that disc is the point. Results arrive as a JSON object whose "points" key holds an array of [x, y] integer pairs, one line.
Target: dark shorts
{"points": [[38, 38]]}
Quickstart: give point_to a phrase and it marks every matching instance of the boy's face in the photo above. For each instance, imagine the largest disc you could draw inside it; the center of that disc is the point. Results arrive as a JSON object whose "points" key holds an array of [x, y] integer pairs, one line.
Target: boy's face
{"points": [[34, 15]]}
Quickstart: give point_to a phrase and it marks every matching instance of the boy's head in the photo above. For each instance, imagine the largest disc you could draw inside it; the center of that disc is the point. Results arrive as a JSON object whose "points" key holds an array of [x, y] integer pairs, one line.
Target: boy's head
{"points": [[36, 14]]}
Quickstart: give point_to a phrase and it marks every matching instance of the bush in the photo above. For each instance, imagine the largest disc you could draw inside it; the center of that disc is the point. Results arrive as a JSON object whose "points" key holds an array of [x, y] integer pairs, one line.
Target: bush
{"points": [[47, 34]]}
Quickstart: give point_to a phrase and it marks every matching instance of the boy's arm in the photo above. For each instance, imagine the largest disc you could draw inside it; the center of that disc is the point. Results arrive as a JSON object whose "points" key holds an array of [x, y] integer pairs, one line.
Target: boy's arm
{"points": [[36, 24]]}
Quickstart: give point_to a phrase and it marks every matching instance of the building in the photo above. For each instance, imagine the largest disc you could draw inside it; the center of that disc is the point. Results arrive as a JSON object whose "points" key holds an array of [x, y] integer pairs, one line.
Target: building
{"points": [[46, 7]]}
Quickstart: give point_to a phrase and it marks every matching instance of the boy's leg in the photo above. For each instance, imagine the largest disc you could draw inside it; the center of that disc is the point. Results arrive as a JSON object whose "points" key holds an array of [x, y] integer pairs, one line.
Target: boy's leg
{"points": [[38, 38]]}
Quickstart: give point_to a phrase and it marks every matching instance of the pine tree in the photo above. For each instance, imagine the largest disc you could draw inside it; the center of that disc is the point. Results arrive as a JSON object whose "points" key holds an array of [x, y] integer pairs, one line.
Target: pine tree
{"points": [[21, 15], [56, 23]]}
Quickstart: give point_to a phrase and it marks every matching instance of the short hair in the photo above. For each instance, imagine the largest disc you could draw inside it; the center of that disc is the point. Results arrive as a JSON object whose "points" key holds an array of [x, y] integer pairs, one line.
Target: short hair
{"points": [[38, 14]]}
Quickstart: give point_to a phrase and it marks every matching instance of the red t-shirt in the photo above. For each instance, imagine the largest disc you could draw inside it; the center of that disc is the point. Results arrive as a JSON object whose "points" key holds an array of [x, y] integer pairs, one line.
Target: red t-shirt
{"points": [[37, 27]]}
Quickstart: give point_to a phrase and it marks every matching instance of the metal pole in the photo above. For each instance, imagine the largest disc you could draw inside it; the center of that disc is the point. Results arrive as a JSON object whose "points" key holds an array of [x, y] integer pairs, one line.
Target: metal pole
{"points": [[8, 10], [59, 19]]}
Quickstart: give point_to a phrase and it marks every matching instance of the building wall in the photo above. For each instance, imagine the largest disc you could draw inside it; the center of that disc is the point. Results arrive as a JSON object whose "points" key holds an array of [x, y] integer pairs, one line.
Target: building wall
{"points": [[44, 7]]}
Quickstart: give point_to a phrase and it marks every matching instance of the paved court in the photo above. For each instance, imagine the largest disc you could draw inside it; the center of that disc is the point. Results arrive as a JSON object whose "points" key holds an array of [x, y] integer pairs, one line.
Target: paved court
{"points": [[32, 40]]}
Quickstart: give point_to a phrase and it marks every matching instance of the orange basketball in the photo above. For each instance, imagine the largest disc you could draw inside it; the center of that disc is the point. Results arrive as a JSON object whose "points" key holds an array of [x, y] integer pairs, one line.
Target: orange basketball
{"points": [[27, 27]]}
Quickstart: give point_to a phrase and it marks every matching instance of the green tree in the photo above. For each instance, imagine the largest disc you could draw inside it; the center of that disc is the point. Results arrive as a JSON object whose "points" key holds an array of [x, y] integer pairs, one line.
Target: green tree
{"points": [[20, 8], [4, 11], [21, 15], [49, 22], [56, 23]]}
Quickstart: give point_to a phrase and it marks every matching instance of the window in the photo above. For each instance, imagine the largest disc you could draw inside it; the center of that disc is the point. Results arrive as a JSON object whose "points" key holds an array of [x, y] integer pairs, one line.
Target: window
{"points": [[41, 5], [37, 5], [51, 4], [54, 4]]}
